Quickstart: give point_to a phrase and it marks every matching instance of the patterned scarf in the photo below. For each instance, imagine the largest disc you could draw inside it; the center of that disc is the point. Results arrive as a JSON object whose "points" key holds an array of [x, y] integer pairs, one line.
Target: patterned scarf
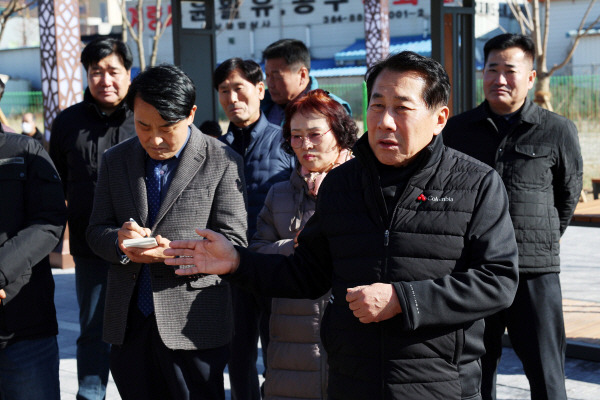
{"points": [[314, 179], [313, 182]]}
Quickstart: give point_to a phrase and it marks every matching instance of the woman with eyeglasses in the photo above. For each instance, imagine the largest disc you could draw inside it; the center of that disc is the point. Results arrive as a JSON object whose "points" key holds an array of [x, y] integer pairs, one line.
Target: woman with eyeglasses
{"points": [[320, 133]]}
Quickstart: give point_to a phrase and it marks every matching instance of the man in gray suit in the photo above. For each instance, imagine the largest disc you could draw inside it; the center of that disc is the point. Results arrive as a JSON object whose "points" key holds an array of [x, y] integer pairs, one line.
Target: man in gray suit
{"points": [[170, 335]]}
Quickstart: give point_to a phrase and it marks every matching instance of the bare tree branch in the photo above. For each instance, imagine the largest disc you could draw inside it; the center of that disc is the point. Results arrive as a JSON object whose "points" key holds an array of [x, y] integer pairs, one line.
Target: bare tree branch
{"points": [[536, 32], [529, 17], [140, 34], [516, 12], [126, 21], [164, 27], [524, 21], [580, 33], [157, 32], [235, 7], [546, 31], [540, 35], [12, 7], [136, 35]]}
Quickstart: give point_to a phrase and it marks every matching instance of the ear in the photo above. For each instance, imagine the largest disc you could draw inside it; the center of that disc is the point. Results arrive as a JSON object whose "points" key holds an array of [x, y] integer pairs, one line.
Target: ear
{"points": [[261, 90], [303, 72], [531, 78], [190, 118], [442, 117]]}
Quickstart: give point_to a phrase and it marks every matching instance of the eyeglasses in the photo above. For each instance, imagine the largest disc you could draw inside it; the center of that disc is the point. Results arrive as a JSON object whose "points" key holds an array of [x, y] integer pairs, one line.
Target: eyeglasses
{"points": [[296, 141]]}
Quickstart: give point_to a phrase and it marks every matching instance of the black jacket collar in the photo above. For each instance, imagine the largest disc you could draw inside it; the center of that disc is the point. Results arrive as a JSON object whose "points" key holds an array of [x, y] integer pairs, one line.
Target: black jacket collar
{"points": [[529, 114], [433, 153], [89, 100]]}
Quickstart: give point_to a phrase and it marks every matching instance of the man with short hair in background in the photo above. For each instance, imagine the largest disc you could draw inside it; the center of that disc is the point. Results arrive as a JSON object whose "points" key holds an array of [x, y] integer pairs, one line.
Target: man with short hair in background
{"points": [[536, 152], [240, 86], [79, 136], [287, 67]]}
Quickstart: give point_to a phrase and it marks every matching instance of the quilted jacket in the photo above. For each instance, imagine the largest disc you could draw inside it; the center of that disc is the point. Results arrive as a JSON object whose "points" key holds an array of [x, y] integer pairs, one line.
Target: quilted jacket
{"points": [[541, 166]]}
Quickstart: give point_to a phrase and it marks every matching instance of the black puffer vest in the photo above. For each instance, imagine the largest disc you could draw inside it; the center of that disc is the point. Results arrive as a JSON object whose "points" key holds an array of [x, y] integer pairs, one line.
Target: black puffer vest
{"points": [[431, 350]]}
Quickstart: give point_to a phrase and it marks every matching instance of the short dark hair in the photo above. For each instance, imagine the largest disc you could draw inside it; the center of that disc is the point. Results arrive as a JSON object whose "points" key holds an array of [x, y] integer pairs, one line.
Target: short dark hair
{"points": [[249, 69], [318, 101], [293, 51], [436, 91], [2, 86], [103, 47], [166, 88], [508, 40]]}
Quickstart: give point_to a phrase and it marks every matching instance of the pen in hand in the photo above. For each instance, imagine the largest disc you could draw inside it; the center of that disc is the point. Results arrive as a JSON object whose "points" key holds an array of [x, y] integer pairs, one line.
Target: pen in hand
{"points": [[144, 241], [143, 229]]}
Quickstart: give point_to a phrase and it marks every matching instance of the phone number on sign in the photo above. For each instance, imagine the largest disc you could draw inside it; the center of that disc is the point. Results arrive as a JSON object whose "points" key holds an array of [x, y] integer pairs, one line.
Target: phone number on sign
{"points": [[336, 19]]}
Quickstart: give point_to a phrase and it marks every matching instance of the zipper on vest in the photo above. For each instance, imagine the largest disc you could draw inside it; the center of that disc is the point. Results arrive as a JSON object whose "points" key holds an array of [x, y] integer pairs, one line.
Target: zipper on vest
{"points": [[386, 242]]}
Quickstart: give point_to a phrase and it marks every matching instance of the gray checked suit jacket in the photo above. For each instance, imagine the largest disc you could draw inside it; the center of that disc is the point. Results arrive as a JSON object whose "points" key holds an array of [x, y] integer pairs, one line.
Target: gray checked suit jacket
{"points": [[207, 191]]}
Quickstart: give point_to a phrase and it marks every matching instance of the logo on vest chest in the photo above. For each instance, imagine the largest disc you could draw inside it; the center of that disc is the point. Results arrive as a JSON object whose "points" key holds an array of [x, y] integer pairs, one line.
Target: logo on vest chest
{"points": [[436, 198], [422, 198]]}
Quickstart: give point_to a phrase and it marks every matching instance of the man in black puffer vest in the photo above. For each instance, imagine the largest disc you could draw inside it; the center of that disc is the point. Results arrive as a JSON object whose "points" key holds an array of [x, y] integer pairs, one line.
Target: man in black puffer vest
{"points": [[414, 240], [536, 152]]}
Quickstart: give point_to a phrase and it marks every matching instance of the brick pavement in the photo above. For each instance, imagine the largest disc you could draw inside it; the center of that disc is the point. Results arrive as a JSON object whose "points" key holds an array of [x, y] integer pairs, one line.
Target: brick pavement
{"points": [[580, 279]]}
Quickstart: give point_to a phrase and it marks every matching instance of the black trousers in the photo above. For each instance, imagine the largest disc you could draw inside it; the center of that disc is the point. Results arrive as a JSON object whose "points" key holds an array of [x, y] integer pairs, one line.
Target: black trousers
{"points": [[250, 320], [145, 369], [536, 330]]}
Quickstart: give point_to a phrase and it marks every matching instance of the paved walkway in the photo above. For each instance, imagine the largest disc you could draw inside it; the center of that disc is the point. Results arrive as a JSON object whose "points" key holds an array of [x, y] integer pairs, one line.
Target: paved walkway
{"points": [[580, 279]]}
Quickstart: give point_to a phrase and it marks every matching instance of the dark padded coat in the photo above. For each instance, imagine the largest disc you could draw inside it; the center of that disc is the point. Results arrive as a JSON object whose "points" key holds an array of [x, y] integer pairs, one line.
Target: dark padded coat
{"points": [[452, 260], [541, 166], [297, 362], [80, 135], [32, 219], [265, 163]]}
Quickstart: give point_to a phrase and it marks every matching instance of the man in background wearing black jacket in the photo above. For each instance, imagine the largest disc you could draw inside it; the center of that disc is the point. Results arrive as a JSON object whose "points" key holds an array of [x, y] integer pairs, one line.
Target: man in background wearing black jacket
{"points": [[536, 152], [80, 135], [32, 218]]}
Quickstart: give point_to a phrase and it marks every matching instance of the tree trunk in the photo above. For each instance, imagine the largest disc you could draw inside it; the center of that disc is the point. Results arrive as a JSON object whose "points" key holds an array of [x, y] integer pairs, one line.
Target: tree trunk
{"points": [[542, 95], [7, 12], [139, 40]]}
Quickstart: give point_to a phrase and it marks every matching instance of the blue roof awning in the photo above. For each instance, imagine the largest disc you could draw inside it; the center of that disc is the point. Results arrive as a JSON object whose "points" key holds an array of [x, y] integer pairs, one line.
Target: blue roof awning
{"points": [[352, 60], [339, 71], [357, 52]]}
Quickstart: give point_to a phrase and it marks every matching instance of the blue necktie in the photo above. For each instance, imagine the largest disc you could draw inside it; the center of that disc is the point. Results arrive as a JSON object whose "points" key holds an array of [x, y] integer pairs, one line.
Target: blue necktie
{"points": [[153, 186]]}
